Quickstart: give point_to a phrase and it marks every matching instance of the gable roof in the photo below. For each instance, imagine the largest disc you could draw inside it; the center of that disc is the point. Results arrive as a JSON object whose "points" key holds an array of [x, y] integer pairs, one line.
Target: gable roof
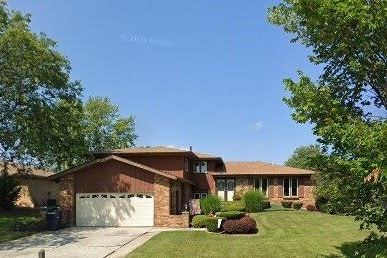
{"points": [[123, 160], [261, 168], [26, 171]]}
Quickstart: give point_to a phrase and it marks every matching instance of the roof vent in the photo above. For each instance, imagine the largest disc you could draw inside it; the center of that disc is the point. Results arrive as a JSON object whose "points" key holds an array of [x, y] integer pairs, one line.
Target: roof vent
{"points": [[190, 148]]}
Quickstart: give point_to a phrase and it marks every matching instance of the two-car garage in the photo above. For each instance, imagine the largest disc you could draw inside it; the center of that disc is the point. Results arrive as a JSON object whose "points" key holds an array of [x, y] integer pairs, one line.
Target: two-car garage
{"points": [[114, 209]]}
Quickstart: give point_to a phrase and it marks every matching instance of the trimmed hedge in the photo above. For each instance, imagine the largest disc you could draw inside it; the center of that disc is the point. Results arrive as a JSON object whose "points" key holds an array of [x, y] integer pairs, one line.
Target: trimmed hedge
{"points": [[212, 223], [199, 221], [231, 215], [211, 203], [253, 201], [286, 204], [297, 205], [29, 224], [245, 225], [234, 206]]}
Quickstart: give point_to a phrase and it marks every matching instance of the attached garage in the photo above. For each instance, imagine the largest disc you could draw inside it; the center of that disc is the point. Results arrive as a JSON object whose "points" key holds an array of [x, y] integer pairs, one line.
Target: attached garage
{"points": [[114, 210]]}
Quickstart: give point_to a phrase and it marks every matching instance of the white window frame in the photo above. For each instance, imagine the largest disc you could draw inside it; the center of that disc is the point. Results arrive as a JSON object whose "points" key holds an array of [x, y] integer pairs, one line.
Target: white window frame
{"points": [[260, 184], [290, 187]]}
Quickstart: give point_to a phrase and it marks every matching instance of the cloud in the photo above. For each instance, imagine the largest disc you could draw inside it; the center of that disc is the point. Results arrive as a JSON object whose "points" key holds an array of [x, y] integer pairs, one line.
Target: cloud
{"points": [[257, 126]]}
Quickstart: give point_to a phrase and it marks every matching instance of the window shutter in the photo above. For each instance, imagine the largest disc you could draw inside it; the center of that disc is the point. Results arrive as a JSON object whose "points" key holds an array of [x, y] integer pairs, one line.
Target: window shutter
{"points": [[280, 187], [271, 187], [301, 187]]}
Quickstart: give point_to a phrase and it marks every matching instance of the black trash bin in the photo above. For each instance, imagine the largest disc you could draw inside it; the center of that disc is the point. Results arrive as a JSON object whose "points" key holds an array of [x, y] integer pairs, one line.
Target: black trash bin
{"points": [[53, 220]]}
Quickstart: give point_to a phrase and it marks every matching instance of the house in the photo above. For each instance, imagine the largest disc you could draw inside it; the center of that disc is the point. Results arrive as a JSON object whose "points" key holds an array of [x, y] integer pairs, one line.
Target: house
{"points": [[151, 186], [35, 187]]}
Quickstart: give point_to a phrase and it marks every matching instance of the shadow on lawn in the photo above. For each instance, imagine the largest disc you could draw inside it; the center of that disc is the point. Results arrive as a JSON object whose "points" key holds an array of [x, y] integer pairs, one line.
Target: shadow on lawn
{"points": [[376, 248]]}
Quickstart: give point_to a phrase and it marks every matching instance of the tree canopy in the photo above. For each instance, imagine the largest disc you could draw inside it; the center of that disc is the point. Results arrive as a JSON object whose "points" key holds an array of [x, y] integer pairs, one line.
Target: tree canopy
{"points": [[347, 104], [38, 100], [305, 157]]}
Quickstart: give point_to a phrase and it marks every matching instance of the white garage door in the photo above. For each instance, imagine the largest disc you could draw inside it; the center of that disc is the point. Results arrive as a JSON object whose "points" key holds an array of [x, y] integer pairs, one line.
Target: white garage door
{"points": [[114, 209]]}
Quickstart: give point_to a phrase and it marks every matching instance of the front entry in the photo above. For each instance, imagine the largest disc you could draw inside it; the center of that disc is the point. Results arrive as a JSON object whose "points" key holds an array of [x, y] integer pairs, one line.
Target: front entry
{"points": [[225, 189]]}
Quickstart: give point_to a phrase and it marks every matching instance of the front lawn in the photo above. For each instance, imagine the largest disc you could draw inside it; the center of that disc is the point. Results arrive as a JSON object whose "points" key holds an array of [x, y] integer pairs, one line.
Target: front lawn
{"points": [[6, 233], [282, 233]]}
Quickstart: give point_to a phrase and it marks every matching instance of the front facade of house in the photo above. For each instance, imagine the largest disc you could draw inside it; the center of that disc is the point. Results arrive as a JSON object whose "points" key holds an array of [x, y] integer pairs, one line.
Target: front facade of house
{"points": [[152, 186]]}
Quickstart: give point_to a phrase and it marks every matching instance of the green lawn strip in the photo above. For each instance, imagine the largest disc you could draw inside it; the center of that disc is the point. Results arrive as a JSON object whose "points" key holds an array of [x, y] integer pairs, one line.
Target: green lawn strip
{"points": [[281, 234], [6, 234]]}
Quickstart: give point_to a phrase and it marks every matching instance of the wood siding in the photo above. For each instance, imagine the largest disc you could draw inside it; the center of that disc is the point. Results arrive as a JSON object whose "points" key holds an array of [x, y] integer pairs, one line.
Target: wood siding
{"points": [[113, 176]]}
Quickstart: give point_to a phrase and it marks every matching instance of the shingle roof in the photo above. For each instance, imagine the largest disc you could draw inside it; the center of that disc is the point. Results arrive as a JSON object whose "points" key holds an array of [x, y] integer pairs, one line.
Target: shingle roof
{"points": [[261, 168], [27, 171]]}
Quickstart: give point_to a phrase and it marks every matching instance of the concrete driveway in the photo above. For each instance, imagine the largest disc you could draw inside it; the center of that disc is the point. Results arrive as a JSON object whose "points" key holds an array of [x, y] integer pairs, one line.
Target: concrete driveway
{"points": [[79, 242]]}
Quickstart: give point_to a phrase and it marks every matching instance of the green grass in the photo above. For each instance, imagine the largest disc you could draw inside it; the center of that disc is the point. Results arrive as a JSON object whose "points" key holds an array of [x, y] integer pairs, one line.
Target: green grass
{"points": [[6, 233], [282, 233]]}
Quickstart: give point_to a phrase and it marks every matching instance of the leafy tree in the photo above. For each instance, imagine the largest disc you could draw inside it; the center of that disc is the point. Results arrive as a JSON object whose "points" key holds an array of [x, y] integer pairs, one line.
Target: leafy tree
{"points": [[305, 157], [347, 104], [103, 127], [9, 189], [38, 101]]}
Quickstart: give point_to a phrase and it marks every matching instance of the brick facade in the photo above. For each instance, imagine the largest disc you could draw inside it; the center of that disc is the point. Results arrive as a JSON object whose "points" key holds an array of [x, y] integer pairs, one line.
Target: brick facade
{"points": [[35, 192], [163, 218], [66, 199]]}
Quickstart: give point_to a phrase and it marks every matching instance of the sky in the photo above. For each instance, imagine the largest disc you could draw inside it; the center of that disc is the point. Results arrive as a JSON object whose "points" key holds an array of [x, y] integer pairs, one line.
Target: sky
{"points": [[206, 74]]}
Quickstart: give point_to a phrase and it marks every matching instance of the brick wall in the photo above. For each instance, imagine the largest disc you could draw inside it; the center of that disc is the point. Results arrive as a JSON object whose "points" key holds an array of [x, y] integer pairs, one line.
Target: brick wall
{"points": [[35, 192], [162, 188], [66, 199]]}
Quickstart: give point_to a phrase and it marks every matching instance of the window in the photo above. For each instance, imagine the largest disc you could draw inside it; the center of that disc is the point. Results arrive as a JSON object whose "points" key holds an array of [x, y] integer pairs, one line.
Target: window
{"points": [[291, 187], [261, 184], [200, 195], [200, 167]]}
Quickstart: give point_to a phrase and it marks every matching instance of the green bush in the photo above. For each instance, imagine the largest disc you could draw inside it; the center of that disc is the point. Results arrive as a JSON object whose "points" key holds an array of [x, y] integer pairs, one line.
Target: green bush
{"points": [[231, 214], [297, 205], [199, 221], [234, 206], [266, 205], [286, 204], [253, 201], [29, 224], [211, 203], [212, 223]]}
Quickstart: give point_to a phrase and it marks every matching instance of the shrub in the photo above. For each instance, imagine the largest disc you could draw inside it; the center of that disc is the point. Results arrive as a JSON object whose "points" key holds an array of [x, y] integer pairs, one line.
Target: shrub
{"points": [[212, 223], [210, 203], [310, 207], [297, 205], [245, 225], [266, 205], [253, 201], [286, 204], [234, 206], [199, 221], [231, 214], [29, 224]]}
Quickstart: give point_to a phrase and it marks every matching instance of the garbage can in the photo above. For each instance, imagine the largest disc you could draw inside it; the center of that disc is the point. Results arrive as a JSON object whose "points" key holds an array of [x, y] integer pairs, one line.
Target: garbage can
{"points": [[53, 220]]}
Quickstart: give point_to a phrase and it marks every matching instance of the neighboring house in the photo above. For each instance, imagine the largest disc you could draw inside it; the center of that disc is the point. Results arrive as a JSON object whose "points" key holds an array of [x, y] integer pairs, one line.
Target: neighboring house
{"points": [[35, 188], [151, 186]]}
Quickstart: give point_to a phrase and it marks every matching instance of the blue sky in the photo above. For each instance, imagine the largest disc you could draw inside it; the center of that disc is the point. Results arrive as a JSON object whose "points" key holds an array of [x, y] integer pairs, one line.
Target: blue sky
{"points": [[200, 73]]}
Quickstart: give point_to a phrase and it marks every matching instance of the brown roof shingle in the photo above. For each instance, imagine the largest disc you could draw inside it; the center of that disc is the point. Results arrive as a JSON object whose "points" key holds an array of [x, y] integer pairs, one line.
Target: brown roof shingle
{"points": [[262, 168], [27, 171]]}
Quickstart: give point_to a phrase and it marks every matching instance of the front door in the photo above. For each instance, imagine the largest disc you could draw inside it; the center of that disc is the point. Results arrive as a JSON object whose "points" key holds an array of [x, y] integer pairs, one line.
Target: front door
{"points": [[226, 189], [221, 185], [230, 190]]}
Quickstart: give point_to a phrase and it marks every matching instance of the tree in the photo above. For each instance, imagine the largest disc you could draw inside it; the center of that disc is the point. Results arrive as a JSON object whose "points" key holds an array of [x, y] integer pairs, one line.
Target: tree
{"points": [[9, 189], [347, 104], [104, 129], [305, 157], [39, 105]]}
